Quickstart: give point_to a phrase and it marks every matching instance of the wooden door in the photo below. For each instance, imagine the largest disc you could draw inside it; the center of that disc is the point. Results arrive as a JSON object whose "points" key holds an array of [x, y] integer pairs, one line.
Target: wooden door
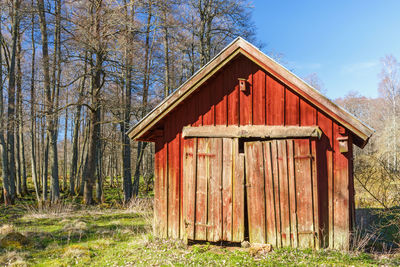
{"points": [[213, 173], [282, 197]]}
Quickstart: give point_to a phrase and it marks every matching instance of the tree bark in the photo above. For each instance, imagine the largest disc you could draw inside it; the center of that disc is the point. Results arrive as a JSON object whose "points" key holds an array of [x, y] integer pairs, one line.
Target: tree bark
{"points": [[124, 125], [11, 101], [18, 117], [3, 145], [50, 120], [97, 81], [75, 137], [65, 146], [33, 112], [166, 53], [147, 54]]}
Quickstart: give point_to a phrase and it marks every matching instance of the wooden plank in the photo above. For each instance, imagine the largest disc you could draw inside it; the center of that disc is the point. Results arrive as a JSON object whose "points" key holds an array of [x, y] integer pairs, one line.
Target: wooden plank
{"points": [[341, 207], [198, 118], [255, 191], [238, 201], [275, 172], [284, 192], [181, 187], [260, 131], [326, 185], [164, 189], [352, 211], [201, 189], [221, 100], [227, 165], [158, 165], [271, 219], [245, 101], [315, 195], [275, 98], [207, 104], [308, 114], [214, 229], [189, 175], [173, 182], [259, 104], [232, 90], [292, 112], [304, 193], [292, 193]]}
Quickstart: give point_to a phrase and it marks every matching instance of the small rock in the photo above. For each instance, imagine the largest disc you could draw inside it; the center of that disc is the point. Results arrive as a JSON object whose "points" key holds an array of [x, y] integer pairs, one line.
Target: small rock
{"points": [[14, 240], [245, 244]]}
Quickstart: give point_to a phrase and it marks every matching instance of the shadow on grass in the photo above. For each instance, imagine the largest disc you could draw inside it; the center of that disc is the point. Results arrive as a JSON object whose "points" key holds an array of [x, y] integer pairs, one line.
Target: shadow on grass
{"points": [[83, 228]]}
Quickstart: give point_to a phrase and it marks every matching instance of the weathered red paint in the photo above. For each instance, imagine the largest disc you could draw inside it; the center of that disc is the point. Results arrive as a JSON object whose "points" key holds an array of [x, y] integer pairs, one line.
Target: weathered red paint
{"points": [[266, 101]]}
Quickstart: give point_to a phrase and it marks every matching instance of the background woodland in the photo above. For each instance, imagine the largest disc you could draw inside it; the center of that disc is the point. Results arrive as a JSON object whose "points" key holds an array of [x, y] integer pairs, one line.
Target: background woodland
{"points": [[75, 75]]}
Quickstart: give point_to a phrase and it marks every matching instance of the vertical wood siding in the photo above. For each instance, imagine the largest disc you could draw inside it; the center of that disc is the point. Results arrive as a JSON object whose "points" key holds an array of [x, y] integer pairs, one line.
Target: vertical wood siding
{"points": [[266, 101], [282, 192]]}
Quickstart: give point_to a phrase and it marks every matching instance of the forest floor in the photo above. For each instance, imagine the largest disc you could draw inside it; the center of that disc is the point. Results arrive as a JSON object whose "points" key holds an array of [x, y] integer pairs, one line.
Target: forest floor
{"points": [[107, 235]]}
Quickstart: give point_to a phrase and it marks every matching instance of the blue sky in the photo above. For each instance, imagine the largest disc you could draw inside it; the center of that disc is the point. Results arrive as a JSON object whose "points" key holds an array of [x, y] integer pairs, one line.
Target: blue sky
{"points": [[342, 41]]}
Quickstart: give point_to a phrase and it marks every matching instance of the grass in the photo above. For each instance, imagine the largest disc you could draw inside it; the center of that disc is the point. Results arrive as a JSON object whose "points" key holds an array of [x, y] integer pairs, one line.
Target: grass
{"points": [[110, 235]]}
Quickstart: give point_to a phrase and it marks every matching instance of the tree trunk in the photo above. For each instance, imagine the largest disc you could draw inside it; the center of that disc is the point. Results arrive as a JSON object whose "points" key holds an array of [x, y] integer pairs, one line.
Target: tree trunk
{"points": [[94, 139], [50, 120], [3, 145], [75, 137], [97, 81], [45, 171], [33, 112], [83, 161], [18, 116], [166, 54], [11, 101], [124, 125], [65, 146], [147, 56]]}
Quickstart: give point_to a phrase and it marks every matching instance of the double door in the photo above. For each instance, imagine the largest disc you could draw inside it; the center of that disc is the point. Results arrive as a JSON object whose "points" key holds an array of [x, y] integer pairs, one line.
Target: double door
{"points": [[264, 191]]}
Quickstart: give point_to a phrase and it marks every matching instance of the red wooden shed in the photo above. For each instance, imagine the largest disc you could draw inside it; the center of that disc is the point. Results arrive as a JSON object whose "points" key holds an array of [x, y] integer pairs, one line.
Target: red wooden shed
{"points": [[247, 150]]}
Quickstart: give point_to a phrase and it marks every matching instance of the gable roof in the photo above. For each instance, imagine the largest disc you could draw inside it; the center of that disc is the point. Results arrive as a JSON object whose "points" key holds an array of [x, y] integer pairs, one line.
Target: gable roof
{"points": [[241, 46]]}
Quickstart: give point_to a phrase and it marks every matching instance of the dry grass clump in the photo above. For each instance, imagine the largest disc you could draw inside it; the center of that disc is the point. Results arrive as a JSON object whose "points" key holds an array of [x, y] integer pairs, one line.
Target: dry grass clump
{"points": [[361, 240], [13, 258], [140, 205], [75, 228], [6, 229], [76, 251], [49, 210]]}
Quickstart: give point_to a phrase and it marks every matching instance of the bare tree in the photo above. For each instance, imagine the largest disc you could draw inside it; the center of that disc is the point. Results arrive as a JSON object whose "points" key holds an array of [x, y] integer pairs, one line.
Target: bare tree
{"points": [[3, 145], [33, 110], [50, 114], [11, 100]]}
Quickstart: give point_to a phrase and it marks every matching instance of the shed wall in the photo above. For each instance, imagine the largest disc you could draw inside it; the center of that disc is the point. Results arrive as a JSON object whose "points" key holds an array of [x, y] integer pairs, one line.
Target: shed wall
{"points": [[266, 101]]}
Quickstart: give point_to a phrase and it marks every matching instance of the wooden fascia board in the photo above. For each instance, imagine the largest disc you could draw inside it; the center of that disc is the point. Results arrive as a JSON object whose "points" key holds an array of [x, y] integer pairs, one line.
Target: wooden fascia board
{"points": [[178, 96], [252, 131]]}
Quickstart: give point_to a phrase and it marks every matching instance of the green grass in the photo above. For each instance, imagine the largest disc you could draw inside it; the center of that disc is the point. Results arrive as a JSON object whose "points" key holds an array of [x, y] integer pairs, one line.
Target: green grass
{"points": [[118, 237], [109, 235]]}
